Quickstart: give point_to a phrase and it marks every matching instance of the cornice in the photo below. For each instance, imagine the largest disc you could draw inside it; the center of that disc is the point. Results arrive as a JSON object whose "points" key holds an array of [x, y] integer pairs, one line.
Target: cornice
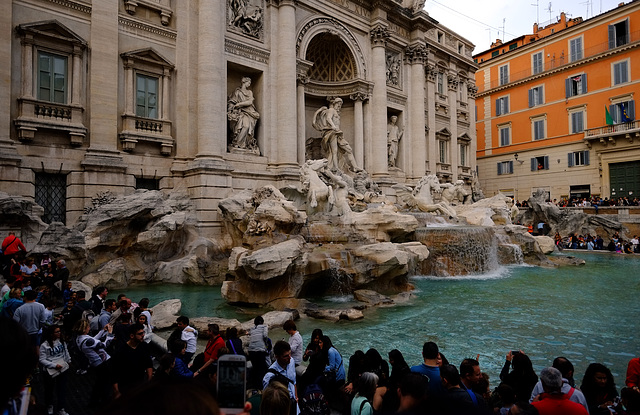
{"points": [[137, 24], [74, 5], [562, 68], [244, 50]]}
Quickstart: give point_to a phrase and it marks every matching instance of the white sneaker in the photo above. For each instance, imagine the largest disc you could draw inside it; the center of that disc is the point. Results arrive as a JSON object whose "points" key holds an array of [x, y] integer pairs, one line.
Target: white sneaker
{"points": [[50, 410], [62, 412]]}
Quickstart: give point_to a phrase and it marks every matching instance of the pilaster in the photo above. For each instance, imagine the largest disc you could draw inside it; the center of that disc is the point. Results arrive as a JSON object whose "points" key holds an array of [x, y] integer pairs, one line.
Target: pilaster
{"points": [[416, 56], [432, 158], [286, 157], [379, 165]]}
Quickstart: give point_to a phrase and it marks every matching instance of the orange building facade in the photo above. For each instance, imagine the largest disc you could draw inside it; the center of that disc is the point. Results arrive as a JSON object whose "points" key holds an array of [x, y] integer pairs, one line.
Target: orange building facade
{"points": [[556, 109]]}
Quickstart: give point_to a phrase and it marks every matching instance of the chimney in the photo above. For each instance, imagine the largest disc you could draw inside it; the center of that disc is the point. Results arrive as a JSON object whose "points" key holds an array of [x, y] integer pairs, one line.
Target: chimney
{"points": [[535, 28], [563, 18]]}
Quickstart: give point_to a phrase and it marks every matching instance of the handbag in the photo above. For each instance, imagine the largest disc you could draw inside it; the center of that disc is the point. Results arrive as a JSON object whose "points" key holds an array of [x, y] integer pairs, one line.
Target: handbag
{"points": [[53, 372]]}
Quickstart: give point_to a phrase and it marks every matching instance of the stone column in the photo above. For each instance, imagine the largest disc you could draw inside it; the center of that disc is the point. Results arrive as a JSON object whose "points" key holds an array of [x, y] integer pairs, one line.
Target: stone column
{"points": [[358, 127], [432, 153], [27, 67], [452, 82], [416, 56], [166, 77], [129, 89], [287, 154], [77, 75], [302, 77], [472, 91], [379, 162], [212, 77]]}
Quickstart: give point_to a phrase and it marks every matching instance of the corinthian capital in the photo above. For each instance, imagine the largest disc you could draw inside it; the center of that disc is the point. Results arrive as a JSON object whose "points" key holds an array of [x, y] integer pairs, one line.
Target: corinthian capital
{"points": [[379, 35], [416, 53]]}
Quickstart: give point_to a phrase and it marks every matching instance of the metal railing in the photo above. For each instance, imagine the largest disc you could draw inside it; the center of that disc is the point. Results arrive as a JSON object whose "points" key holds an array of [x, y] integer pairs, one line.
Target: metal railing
{"points": [[612, 129]]}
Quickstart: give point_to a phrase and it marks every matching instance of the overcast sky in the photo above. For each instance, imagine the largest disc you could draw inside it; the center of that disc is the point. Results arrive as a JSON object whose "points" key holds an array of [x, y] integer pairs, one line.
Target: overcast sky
{"points": [[481, 21]]}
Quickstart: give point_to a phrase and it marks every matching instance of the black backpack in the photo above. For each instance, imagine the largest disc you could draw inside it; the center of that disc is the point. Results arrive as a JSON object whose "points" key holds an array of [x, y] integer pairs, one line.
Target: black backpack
{"points": [[77, 355], [314, 402]]}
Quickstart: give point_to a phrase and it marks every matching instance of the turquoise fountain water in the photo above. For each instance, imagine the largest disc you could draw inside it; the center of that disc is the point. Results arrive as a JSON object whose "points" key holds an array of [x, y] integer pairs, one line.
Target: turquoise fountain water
{"points": [[588, 314]]}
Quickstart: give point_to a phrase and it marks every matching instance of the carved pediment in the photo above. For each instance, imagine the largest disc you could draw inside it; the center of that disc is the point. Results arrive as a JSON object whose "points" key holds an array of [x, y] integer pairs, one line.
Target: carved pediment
{"points": [[148, 55], [443, 134], [464, 137], [51, 29]]}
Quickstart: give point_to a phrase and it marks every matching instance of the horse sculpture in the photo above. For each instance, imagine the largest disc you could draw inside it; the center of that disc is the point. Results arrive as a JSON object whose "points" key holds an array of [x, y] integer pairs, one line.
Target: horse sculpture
{"points": [[313, 186], [420, 198]]}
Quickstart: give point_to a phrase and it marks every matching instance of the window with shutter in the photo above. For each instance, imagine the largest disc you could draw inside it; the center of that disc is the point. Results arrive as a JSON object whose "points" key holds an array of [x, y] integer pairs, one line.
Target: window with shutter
{"points": [[575, 47], [620, 72]]}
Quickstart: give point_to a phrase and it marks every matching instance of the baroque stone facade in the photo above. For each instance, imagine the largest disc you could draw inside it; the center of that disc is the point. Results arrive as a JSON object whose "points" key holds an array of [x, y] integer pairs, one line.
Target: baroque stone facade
{"points": [[117, 95]]}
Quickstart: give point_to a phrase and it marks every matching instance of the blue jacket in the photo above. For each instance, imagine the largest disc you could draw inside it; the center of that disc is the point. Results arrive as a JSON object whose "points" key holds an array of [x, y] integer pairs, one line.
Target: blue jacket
{"points": [[335, 363]]}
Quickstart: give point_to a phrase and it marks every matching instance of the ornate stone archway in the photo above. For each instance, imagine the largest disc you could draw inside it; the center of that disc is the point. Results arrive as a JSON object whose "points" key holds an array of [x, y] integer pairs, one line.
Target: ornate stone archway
{"points": [[332, 27]]}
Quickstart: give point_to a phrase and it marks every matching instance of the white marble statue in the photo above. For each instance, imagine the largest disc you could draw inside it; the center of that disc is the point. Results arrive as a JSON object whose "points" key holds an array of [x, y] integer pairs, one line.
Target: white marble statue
{"points": [[243, 117], [334, 145], [394, 134], [246, 17], [455, 193], [421, 198]]}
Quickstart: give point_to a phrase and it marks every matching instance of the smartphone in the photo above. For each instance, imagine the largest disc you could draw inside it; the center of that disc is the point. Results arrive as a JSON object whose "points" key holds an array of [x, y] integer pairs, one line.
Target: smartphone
{"points": [[232, 383], [514, 352]]}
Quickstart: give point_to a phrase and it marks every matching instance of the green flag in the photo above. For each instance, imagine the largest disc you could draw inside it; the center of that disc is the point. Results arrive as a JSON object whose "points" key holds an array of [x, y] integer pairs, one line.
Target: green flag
{"points": [[607, 116]]}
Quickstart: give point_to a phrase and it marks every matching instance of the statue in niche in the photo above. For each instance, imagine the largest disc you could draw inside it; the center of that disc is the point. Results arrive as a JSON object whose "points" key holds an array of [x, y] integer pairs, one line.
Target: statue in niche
{"points": [[243, 117], [455, 193], [393, 69], [246, 17], [394, 134], [327, 121]]}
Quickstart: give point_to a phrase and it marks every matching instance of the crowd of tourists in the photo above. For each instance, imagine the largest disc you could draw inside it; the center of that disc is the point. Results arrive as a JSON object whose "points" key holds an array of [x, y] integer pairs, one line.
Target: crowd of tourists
{"points": [[109, 343], [593, 201], [48, 335], [597, 243]]}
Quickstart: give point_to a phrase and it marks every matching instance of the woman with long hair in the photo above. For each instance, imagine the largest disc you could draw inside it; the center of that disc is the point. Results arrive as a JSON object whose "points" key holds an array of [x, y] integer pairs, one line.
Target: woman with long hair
{"points": [[314, 370], [399, 369], [334, 372], [598, 388], [55, 359], [522, 377]]}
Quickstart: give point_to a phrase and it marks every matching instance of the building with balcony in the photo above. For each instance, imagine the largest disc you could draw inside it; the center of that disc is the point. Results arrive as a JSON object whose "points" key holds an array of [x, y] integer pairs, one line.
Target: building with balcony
{"points": [[556, 109], [121, 95]]}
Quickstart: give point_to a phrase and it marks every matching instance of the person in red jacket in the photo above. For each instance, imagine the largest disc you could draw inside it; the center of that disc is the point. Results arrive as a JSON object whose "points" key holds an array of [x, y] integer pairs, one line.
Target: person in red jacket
{"points": [[215, 343], [553, 401], [11, 245], [633, 373]]}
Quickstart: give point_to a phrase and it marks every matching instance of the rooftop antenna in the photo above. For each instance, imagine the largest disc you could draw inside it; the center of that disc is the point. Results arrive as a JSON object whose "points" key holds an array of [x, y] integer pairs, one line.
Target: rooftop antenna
{"points": [[588, 3], [504, 19], [490, 39], [537, 11], [549, 10]]}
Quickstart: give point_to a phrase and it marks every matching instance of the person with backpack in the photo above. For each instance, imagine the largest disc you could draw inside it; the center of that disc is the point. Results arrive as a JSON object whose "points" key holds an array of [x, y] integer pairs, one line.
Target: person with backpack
{"points": [[93, 355], [55, 360], [283, 370], [362, 403]]}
